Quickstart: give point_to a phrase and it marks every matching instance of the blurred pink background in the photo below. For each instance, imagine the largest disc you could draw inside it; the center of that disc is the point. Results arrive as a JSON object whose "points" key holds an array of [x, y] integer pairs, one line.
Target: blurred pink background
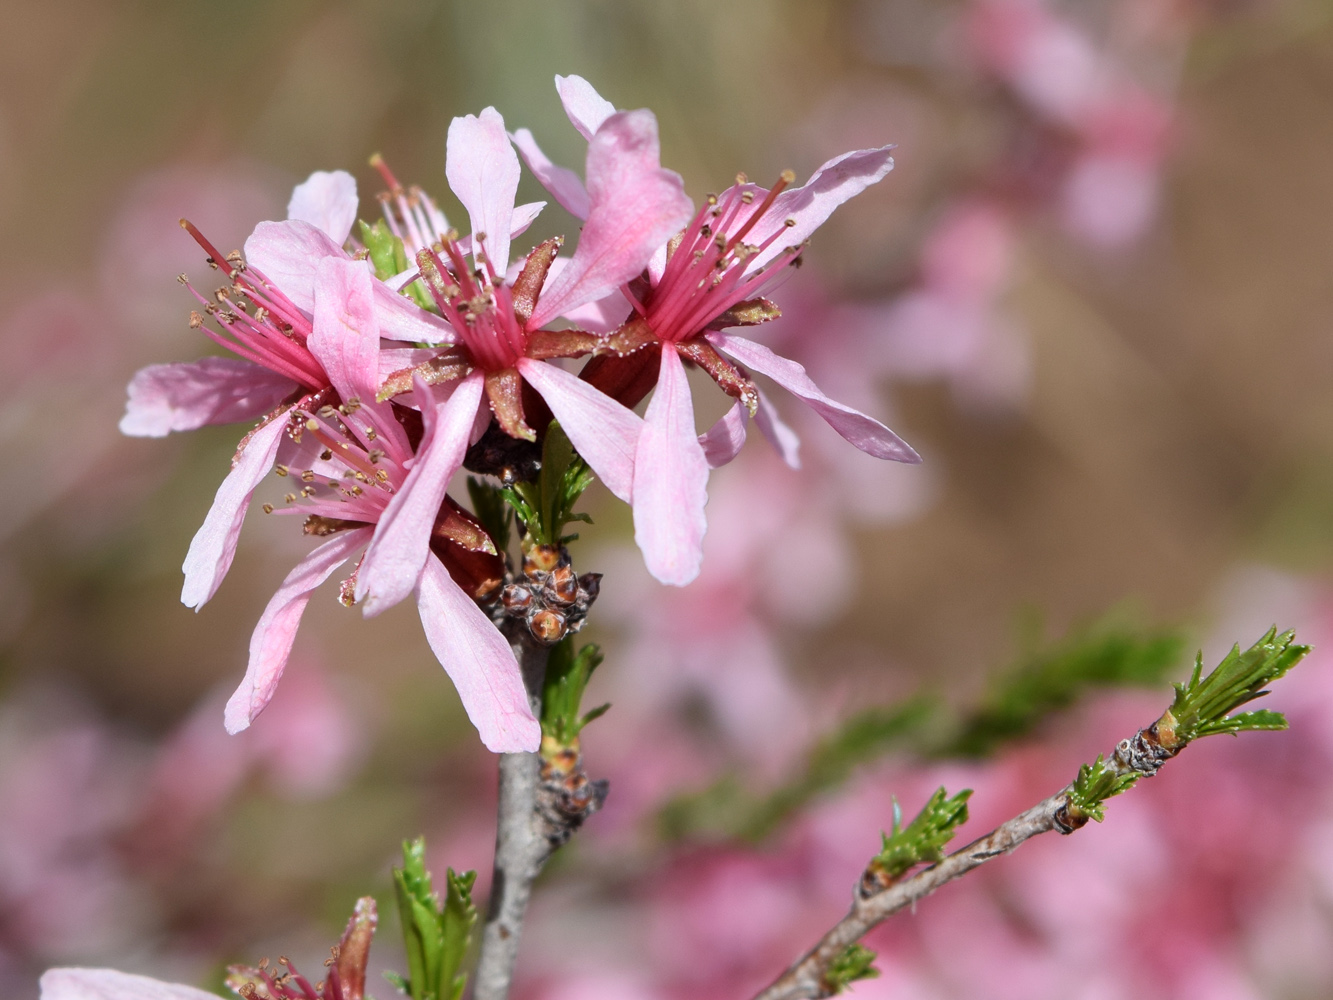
{"points": [[1095, 294]]}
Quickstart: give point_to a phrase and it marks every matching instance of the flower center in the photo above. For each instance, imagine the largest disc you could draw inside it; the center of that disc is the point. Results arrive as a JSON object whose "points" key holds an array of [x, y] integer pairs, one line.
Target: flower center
{"points": [[477, 305], [709, 268], [274, 336]]}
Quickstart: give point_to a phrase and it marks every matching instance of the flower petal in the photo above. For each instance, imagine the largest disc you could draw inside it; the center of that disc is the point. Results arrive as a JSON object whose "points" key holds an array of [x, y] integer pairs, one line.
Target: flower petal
{"points": [[670, 480], [271, 642], [605, 433], [478, 660], [288, 255], [402, 319], [328, 202], [565, 186], [864, 432], [586, 108], [636, 206], [724, 439], [483, 171], [779, 435], [182, 397], [599, 316], [345, 338], [108, 984], [214, 544], [402, 538], [838, 180]]}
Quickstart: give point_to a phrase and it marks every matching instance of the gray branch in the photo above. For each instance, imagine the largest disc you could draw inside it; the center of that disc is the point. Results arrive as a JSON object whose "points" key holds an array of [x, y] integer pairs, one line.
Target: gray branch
{"points": [[542, 803], [1141, 755], [520, 844]]}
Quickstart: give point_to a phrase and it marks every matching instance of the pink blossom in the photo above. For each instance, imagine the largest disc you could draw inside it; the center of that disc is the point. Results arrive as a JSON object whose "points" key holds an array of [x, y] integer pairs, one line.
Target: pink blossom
{"points": [[364, 486], [682, 307], [108, 984]]}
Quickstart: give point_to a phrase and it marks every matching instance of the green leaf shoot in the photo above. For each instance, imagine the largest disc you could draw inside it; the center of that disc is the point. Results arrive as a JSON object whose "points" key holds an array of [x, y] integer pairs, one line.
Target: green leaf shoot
{"points": [[389, 257], [856, 962], [567, 676], [1202, 705], [1094, 785], [546, 505], [921, 841], [437, 934]]}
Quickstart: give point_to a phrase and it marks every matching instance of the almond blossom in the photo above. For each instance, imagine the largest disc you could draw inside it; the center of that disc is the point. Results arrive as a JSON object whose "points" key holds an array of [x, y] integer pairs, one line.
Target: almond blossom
{"points": [[274, 366], [706, 279], [498, 343], [361, 482]]}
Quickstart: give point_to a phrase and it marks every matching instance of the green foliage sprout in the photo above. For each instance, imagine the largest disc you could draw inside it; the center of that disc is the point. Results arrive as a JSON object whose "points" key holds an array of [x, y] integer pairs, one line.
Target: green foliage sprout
{"points": [[437, 935], [921, 841], [1203, 707], [567, 676], [1094, 785], [389, 257], [856, 962], [546, 505]]}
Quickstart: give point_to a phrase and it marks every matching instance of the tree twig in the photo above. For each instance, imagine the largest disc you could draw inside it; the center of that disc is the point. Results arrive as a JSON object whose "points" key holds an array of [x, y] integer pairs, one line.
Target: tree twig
{"points": [[544, 798], [1199, 710], [520, 846]]}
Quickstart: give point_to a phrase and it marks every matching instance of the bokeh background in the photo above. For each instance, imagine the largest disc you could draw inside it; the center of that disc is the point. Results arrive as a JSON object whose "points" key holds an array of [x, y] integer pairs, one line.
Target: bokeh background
{"points": [[1095, 294]]}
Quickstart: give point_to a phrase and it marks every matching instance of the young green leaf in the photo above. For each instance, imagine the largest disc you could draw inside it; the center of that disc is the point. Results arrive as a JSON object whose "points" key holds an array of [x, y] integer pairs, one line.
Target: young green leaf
{"points": [[1202, 706], [856, 962], [921, 841], [1094, 785], [389, 257], [567, 676], [437, 936]]}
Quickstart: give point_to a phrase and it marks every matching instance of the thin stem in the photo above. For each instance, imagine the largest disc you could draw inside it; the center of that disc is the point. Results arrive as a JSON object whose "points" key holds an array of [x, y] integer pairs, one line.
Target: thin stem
{"points": [[521, 845], [1140, 756]]}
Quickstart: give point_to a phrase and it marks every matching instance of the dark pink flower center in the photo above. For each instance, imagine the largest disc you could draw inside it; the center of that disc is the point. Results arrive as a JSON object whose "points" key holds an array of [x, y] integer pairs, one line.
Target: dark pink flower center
{"points": [[707, 272], [477, 305], [273, 336]]}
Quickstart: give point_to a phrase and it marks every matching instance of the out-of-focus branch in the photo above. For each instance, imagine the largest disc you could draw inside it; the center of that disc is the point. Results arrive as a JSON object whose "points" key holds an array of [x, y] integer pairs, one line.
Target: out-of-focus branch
{"points": [[1201, 708]]}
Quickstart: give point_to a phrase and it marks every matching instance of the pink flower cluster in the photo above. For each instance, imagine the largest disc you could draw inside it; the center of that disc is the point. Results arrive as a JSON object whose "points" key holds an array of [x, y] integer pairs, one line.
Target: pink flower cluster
{"points": [[370, 387]]}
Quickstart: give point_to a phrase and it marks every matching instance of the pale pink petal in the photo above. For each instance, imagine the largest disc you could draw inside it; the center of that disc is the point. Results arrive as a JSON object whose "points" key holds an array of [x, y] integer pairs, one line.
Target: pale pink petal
{"points": [[478, 660], [108, 984], [346, 333], [864, 432], [605, 433], [214, 544], [586, 108], [483, 172], [182, 397], [271, 643], [524, 216], [565, 186], [402, 538], [636, 206], [723, 441], [288, 255], [838, 180], [779, 435], [670, 480], [402, 319], [327, 201]]}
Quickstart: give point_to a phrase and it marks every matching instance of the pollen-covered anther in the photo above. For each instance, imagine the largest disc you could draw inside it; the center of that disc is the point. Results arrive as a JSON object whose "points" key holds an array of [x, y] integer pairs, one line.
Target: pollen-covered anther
{"points": [[196, 321], [281, 470]]}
